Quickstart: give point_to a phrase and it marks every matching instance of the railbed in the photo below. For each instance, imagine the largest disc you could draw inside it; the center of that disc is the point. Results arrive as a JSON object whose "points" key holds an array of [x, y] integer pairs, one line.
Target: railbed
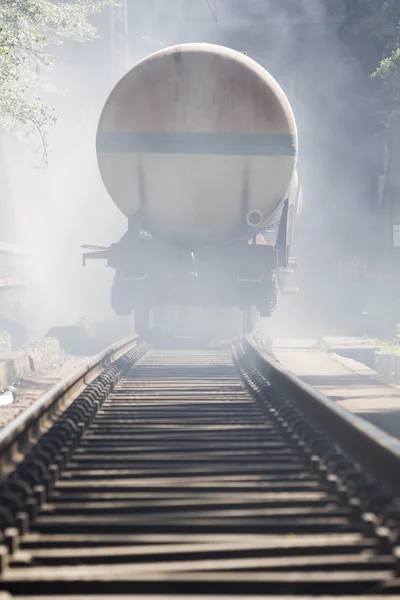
{"points": [[205, 473]]}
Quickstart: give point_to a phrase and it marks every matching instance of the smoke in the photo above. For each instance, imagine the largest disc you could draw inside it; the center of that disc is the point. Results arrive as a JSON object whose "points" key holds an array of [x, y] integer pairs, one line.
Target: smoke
{"points": [[57, 209], [60, 208], [300, 44]]}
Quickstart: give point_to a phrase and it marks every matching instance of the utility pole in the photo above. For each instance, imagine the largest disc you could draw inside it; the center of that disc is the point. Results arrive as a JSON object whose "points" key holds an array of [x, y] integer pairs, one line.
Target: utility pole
{"points": [[119, 41]]}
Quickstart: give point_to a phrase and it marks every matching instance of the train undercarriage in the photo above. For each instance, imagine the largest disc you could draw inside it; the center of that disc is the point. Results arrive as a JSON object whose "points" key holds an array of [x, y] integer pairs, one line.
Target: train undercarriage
{"points": [[150, 274]]}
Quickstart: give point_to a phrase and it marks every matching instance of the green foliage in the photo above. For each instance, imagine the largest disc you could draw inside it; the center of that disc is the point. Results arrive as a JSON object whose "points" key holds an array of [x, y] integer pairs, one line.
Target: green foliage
{"points": [[392, 347], [389, 65], [383, 24], [388, 348], [5, 341], [29, 31], [372, 32]]}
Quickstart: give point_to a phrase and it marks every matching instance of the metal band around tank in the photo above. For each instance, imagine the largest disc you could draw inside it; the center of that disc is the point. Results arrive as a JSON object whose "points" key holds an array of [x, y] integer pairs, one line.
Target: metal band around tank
{"points": [[238, 144]]}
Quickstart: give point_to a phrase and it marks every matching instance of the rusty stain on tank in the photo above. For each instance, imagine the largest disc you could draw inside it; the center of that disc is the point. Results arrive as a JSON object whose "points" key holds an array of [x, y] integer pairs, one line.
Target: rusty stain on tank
{"points": [[151, 97]]}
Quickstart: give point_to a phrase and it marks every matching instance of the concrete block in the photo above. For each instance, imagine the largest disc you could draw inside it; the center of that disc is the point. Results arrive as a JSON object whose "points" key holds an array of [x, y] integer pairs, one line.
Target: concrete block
{"points": [[388, 367], [38, 355], [44, 353], [361, 349], [13, 366]]}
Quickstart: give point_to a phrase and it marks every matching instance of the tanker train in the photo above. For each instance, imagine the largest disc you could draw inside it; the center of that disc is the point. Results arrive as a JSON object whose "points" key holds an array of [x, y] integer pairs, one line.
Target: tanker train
{"points": [[197, 146]]}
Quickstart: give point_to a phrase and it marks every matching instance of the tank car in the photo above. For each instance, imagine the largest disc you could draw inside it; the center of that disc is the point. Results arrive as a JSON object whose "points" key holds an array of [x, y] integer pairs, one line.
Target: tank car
{"points": [[197, 146]]}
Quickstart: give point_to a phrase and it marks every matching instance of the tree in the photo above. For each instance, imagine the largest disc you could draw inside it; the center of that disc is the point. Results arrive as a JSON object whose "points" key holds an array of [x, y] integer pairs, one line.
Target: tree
{"points": [[28, 31], [382, 25]]}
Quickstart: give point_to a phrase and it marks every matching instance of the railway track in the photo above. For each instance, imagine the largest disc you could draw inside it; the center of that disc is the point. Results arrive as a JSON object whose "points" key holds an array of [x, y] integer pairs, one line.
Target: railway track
{"points": [[167, 473]]}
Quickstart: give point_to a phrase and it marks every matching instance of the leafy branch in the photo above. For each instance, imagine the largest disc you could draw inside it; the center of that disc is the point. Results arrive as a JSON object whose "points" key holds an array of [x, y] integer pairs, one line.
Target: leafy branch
{"points": [[29, 29], [372, 32]]}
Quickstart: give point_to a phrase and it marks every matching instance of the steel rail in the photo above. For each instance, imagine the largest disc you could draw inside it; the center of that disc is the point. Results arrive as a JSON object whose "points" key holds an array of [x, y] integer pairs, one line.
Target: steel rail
{"points": [[22, 432], [377, 451], [179, 474]]}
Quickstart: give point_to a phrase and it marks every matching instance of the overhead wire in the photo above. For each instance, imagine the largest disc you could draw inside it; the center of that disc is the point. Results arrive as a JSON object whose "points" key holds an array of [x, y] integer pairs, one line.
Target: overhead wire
{"points": [[213, 12]]}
